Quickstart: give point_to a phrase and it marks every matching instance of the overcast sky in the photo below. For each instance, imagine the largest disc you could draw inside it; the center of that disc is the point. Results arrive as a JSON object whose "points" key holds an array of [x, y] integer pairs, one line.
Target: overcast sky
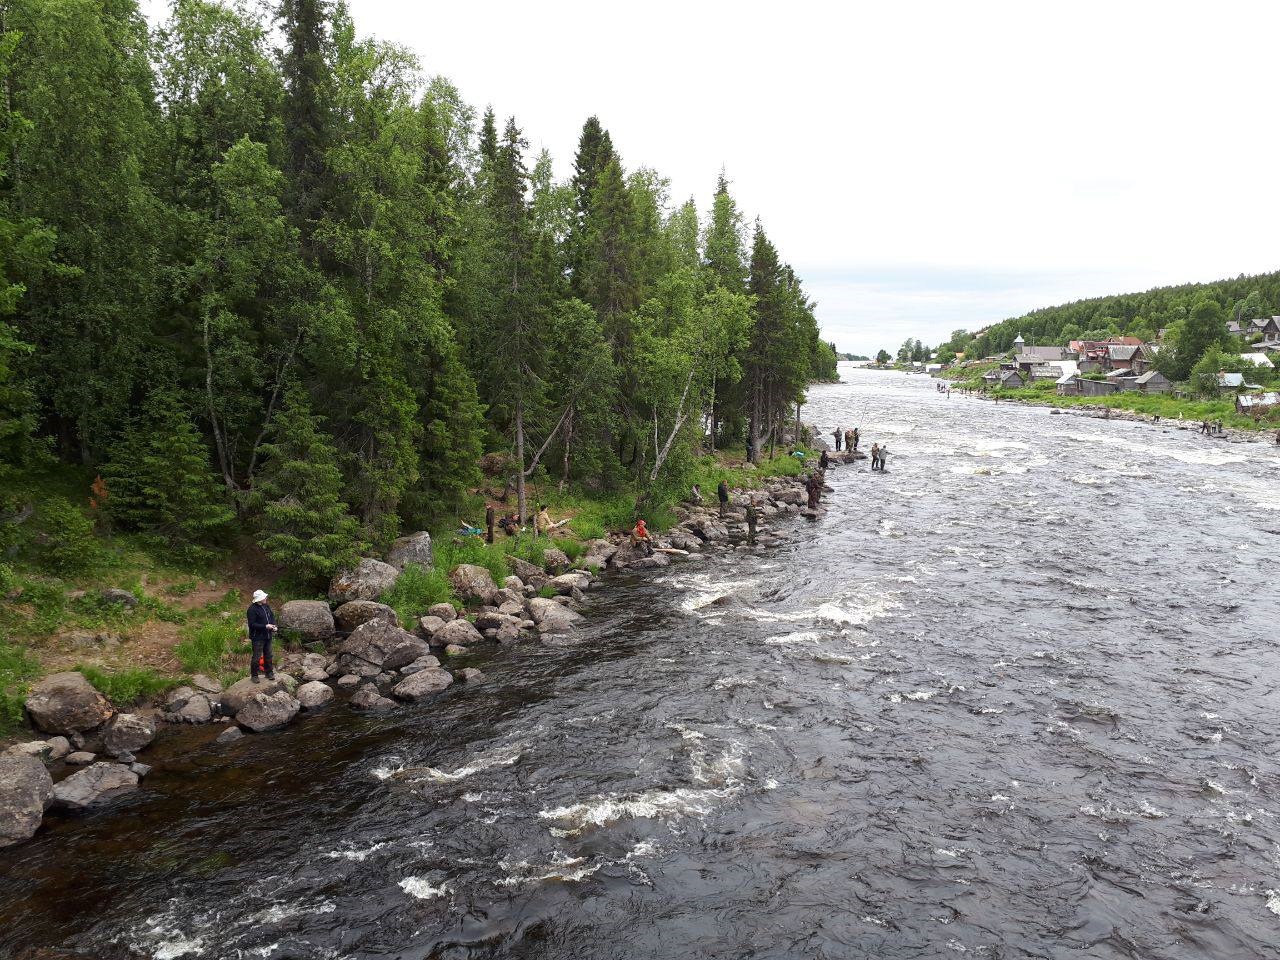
{"points": [[924, 166]]}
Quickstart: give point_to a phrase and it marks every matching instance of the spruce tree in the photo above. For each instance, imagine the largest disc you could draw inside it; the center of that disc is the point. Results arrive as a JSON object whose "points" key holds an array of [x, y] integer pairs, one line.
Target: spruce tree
{"points": [[308, 105], [488, 137], [303, 522], [595, 152], [723, 245]]}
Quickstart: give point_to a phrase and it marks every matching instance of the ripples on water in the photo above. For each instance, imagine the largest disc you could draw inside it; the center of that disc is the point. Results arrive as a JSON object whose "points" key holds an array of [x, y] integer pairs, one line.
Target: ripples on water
{"points": [[1015, 698]]}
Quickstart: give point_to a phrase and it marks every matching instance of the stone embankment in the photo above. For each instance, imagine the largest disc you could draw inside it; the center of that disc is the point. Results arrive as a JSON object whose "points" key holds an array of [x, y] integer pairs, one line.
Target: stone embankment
{"points": [[353, 647]]}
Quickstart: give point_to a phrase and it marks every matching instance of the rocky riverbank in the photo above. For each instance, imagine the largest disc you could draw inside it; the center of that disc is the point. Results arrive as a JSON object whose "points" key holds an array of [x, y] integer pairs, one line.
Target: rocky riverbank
{"points": [[351, 651]]}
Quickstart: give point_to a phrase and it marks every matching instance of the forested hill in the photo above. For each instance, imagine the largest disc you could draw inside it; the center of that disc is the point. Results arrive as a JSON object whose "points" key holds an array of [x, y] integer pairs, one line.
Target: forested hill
{"points": [[1133, 314], [303, 290]]}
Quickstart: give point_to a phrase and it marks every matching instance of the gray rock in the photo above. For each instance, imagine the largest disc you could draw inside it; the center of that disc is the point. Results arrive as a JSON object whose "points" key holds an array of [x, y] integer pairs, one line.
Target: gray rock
{"points": [[243, 690], [414, 548], [313, 674], [198, 709], [268, 711], [422, 684], [348, 681], [67, 703], [39, 749], [375, 646], [472, 675], [513, 609], [445, 611], [406, 653], [493, 619], [552, 617], [422, 663], [455, 650], [124, 757], [555, 560], [513, 583], [473, 584], [568, 582], [142, 769], [59, 747], [309, 619], [508, 633], [459, 632], [81, 758], [128, 733], [355, 612], [95, 785], [428, 625], [368, 698], [367, 580], [529, 574], [122, 597], [206, 684], [314, 695], [230, 735], [25, 791], [178, 697]]}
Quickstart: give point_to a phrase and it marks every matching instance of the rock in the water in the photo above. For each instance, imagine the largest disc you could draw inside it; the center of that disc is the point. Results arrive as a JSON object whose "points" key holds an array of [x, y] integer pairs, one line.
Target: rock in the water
{"points": [[128, 733], [455, 650], [375, 646], [445, 611], [314, 695], [122, 597], [472, 675], [552, 617], [348, 681], [25, 791], [555, 560], [412, 549], [59, 747], [368, 698], [81, 758], [309, 619], [178, 697], [206, 684], [95, 785], [230, 735], [67, 703], [457, 632], [350, 615], [198, 709], [568, 582], [367, 580], [141, 769], [39, 749], [268, 711], [472, 583], [428, 625], [422, 684], [508, 633], [243, 690], [422, 663]]}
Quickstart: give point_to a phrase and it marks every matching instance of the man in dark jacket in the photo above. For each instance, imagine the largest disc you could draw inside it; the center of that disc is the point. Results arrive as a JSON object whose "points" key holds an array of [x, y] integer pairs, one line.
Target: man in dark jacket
{"points": [[722, 492], [262, 627]]}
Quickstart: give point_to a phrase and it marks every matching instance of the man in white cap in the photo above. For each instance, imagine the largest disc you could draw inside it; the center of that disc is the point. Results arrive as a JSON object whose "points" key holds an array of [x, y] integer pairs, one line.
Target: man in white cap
{"points": [[262, 626]]}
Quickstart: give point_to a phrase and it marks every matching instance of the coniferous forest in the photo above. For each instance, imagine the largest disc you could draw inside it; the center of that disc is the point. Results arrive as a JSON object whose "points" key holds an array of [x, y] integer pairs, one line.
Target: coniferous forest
{"points": [[262, 272]]}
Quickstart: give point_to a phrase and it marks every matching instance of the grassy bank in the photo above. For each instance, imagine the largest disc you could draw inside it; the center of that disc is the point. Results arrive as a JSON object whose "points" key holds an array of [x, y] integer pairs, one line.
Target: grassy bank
{"points": [[57, 558]]}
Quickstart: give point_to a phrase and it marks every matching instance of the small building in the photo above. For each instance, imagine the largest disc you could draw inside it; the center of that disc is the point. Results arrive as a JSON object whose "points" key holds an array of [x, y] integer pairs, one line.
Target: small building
{"points": [[1257, 402], [1097, 388], [1153, 381], [1068, 385], [1007, 379], [1230, 381]]}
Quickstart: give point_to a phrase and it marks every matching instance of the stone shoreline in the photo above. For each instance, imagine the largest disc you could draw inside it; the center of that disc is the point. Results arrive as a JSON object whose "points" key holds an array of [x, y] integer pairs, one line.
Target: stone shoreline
{"points": [[354, 653]]}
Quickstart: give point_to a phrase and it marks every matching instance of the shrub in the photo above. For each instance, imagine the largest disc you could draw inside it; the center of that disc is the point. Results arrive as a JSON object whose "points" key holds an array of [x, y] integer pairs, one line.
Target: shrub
{"points": [[204, 645], [16, 668], [451, 552], [124, 688], [417, 589], [65, 543]]}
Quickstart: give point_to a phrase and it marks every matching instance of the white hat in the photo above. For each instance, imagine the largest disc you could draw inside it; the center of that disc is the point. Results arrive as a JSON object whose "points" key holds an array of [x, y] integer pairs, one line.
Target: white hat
{"points": [[259, 596]]}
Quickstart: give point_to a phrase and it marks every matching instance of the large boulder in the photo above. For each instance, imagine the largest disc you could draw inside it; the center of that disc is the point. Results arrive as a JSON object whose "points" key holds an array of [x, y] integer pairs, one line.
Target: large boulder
{"points": [[376, 646], [566, 583], [243, 690], [555, 560], [367, 580], [67, 703], [412, 549], [598, 553], [422, 684], [25, 791], [310, 619], [472, 583], [198, 709], [552, 617], [355, 612], [314, 695], [95, 785], [268, 711], [459, 632], [368, 698], [128, 733], [428, 626], [528, 573]]}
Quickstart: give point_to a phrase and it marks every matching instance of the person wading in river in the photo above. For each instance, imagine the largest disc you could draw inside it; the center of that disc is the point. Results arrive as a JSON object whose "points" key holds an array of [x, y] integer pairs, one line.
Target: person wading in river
{"points": [[262, 627], [853, 437], [751, 523], [875, 456], [722, 493], [836, 435], [884, 453]]}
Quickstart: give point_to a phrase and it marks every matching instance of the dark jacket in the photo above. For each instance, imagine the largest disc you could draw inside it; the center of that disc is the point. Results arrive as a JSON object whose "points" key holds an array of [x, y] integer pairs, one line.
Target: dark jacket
{"points": [[259, 615], [722, 492]]}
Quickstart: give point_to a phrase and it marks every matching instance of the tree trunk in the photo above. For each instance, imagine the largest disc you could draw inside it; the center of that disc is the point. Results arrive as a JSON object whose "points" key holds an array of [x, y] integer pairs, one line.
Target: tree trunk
{"points": [[661, 455], [568, 439], [521, 504], [218, 440]]}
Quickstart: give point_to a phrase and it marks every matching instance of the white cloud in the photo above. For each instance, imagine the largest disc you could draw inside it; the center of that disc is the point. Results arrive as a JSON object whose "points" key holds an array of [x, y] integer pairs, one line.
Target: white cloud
{"points": [[986, 157]]}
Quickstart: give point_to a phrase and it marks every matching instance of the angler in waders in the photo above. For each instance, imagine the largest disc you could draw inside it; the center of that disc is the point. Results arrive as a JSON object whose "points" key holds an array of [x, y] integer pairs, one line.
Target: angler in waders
{"points": [[722, 493]]}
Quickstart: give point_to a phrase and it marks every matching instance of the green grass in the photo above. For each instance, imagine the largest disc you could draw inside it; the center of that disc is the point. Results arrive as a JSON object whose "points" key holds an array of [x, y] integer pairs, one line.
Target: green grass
{"points": [[124, 688], [16, 668], [418, 589], [204, 646], [1162, 405]]}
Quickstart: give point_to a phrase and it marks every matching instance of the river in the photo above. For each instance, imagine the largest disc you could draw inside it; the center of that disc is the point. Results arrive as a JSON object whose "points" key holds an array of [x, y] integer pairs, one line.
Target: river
{"points": [[1014, 698]]}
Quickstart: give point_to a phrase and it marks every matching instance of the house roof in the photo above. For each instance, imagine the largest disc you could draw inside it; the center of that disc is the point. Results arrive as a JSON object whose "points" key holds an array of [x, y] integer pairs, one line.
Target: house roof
{"points": [[1261, 359], [1269, 399], [1151, 375], [1122, 351], [1231, 379]]}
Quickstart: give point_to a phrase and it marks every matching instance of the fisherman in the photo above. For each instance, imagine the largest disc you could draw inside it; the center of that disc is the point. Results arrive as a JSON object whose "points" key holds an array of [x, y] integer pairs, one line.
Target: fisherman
{"points": [[884, 452], [640, 538], [811, 485], [751, 522], [695, 495], [489, 516], [836, 435], [854, 436], [262, 627], [875, 457], [824, 461], [722, 494]]}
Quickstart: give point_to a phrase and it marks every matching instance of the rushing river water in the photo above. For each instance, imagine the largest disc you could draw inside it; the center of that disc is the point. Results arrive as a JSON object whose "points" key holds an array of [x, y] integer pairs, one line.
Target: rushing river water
{"points": [[1014, 698]]}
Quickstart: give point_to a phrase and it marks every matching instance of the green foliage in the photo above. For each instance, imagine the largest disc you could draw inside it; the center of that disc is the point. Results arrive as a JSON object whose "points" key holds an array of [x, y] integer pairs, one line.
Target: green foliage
{"points": [[125, 688], [417, 589], [16, 668], [451, 552], [66, 542], [204, 646]]}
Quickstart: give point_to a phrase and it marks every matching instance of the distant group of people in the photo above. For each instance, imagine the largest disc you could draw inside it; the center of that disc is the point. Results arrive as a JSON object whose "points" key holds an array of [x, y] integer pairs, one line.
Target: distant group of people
{"points": [[1211, 428], [944, 388], [879, 455], [850, 438]]}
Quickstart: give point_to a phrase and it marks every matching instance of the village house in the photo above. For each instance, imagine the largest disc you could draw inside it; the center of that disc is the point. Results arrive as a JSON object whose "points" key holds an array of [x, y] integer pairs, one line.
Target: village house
{"points": [[1264, 330], [1008, 379], [1257, 402], [1153, 381]]}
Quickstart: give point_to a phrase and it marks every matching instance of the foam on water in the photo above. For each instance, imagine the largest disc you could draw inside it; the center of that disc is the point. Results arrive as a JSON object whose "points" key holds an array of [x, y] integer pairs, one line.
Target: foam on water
{"points": [[651, 804], [421, 888]]}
